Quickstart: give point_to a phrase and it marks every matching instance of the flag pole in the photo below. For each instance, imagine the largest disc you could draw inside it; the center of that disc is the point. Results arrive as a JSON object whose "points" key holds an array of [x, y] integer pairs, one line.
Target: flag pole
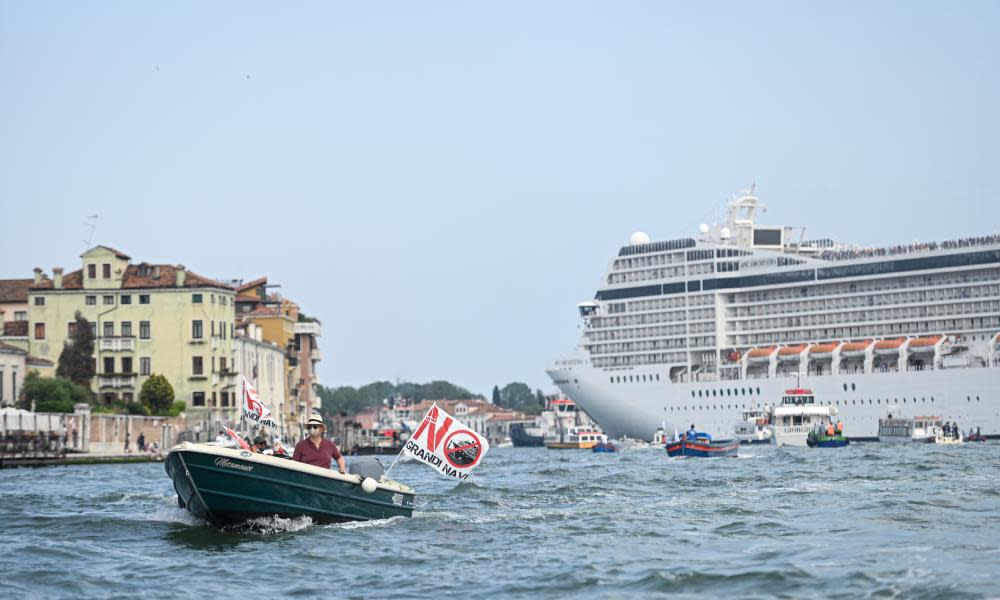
{"points": [[398, 456]]}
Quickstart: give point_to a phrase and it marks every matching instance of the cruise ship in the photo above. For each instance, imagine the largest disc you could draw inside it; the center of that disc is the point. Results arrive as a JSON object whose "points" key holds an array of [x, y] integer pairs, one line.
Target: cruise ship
{"points": [[696, 330]]}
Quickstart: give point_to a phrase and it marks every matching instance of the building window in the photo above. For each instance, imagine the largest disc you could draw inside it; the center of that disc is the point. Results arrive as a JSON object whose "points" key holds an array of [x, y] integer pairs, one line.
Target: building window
{"points": [[213, 399], [106, 270], [196, 330], [144, 365], [126, 328], [127, 397], [109, 329], [109, 365], [197, 367], [93, 328], [212, 324], [225, 399], [39, 300], [143, 330], [126, 364], [195, 298], [126, 299], [109, 300], [39, 331], [91, 271], [143, 298], [222, 364], [90, 300], [20, 315], [198, 399]]}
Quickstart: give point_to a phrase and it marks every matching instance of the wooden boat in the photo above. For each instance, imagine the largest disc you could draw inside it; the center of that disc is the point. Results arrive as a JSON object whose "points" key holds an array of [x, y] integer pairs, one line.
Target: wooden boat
{"points": [[228, 486], [604, 447], [702, 447]]}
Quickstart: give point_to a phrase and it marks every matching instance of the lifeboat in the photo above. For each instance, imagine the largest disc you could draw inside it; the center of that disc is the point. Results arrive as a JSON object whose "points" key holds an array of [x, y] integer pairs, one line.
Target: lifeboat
{"points": [[855, 349], [791, 353], [924, 345], [889, 347], [822, 351], [761, 355]]}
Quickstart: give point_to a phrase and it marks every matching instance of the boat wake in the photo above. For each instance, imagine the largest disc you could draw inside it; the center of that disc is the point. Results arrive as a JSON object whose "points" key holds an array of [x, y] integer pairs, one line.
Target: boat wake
{"points": [[272, 525], [367, 524]]}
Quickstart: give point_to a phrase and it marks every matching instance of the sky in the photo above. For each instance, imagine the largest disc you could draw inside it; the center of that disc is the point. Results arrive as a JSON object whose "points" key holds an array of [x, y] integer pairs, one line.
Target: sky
{"points": [[440, 183]]}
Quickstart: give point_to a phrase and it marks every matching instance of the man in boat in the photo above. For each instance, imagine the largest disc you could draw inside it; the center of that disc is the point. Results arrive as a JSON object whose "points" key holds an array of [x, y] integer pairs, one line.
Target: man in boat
{"points": [[317, 450], [691, 434]]}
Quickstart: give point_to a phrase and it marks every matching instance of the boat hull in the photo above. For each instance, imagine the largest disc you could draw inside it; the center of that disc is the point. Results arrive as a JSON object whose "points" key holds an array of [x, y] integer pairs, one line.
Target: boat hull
{"points": [[701, 449], [226, 487], [837, 441], [570, 445]]}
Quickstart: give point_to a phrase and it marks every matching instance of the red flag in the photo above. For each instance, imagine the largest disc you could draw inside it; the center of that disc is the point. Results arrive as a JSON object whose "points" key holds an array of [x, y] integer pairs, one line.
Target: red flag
{"points": [[237, 437]]}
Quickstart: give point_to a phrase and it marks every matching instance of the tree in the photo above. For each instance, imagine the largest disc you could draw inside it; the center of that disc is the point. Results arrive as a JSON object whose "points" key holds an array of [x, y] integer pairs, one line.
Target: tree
{"points": [[518, 396], [76, 361], [541, 398], [157, 395], [51, 394], [496, 396], [348, 400]]}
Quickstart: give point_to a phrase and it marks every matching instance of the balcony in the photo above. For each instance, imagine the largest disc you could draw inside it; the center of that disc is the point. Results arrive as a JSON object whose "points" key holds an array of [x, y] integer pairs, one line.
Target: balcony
{"points": [[307, 328], [316, 355], [117, 344], [116, 380]]}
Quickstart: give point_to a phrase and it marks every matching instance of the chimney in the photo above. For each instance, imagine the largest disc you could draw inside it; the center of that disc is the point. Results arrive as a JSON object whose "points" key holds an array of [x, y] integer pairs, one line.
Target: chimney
{"points": [[181, 275], [1, 323], [156, 272], [38, 275], [57, 273]]}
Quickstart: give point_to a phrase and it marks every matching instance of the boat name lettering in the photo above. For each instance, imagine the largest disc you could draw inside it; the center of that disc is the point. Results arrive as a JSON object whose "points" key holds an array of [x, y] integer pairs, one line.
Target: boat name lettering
{"points": [[225, 462]]}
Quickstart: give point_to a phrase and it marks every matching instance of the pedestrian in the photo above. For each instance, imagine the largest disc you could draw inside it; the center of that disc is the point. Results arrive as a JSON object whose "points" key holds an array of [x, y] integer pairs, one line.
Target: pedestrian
{"points": [[141, 442], [127, 448]]}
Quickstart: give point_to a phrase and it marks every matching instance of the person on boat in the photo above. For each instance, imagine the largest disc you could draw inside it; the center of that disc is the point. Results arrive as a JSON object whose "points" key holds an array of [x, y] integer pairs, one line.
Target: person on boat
{"points": [[840, 427], [259, 444], [317, 450], [691, 434], [829, 429]]}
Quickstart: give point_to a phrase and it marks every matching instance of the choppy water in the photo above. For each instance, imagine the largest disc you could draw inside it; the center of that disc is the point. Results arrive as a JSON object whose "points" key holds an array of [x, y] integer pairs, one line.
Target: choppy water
{"points": [[868, 520]]}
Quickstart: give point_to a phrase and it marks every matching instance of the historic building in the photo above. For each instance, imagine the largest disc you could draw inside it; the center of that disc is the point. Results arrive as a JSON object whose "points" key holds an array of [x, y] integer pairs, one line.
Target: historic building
{"points": [[146, 319]]}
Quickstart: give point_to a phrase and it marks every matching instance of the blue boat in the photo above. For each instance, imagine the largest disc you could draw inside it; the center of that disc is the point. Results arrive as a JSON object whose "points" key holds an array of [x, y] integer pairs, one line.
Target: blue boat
{"points": [[703, 447], [822, 440], [604, 447]]}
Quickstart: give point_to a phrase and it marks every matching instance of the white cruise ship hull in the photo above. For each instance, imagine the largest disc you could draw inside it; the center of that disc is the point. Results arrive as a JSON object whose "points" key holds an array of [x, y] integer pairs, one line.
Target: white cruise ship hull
{"points": [[968, 396]]}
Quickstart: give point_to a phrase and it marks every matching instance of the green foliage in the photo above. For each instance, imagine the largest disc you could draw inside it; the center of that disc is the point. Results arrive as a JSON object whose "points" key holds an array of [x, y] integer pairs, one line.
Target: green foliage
{"points": [[350, 401], [51, 394], [157, 395], [76, 361], [176, 408], [518, 396], [496, 396], [136, 408]]}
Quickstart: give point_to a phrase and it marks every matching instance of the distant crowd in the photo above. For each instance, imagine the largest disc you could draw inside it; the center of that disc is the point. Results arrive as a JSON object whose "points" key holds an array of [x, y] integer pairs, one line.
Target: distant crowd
{"points": [[847, 254]]}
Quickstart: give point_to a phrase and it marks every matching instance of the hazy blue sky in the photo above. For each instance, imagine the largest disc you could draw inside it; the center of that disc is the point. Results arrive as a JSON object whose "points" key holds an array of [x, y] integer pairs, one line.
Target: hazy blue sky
{"points": [[442, 183]]}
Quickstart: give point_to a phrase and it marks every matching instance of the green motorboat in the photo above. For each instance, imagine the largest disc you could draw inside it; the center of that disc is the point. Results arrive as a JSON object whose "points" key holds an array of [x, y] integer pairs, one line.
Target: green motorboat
{"points": [[226, 486]]}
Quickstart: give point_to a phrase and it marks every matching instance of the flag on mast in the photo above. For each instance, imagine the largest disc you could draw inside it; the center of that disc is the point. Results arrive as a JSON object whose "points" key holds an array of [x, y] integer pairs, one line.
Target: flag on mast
{"points": [[254, 410], [447, 445], [237, 437]]}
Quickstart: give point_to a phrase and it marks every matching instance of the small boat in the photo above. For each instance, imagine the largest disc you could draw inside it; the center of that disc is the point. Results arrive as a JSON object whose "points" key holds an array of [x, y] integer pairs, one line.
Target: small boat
{"points": [[924, 345], [889, 347], [975, 437], [927, 429], [578, 438], [791, 353], [855, 349], [225, 487], [797, 416], [823, 350], [895, 429], [752, 427], [817, 439], [703, 447], [607, 447], [761, 355]]}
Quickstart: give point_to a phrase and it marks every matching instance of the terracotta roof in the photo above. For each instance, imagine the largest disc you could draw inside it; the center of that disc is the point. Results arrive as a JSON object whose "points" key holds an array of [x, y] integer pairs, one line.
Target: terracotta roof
{"points": [[15, 329], [264, 311], [8, 348], [251, 284], [152, 276], [14, 290], [41, 362]]}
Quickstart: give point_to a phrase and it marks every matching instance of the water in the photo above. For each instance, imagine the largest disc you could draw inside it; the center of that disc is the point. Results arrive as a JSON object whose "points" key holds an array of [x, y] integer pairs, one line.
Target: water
{"points": [[868, 520]]}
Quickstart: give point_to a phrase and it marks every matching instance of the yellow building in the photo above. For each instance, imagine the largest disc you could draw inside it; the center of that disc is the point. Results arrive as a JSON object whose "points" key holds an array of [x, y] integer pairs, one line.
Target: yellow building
{"points": [[147, 319]]}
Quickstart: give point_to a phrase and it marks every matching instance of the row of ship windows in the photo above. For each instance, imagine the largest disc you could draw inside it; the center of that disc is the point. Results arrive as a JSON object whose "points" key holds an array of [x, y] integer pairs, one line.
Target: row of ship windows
{"points": [[890, 299], [895, 401], [638, 359], [671, 344], [879, 285], [634, 378], [662, 317], [913, 312], [802, 335]]}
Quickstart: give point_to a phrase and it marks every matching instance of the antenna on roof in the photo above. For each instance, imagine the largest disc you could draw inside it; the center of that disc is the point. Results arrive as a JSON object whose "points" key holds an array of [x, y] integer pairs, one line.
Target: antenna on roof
{"points": [[92, 227]]}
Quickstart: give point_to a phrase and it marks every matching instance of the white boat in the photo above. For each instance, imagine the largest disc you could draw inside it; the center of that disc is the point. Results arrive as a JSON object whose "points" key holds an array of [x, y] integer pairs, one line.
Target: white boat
{"points": [[690, 329], [577, 438], [752, 428], [894, 428], [797, 416]]}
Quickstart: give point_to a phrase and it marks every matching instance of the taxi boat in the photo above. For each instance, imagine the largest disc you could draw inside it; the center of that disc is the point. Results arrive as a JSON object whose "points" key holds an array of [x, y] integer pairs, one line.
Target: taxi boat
{"points": [[703, 447], [226, 486]]}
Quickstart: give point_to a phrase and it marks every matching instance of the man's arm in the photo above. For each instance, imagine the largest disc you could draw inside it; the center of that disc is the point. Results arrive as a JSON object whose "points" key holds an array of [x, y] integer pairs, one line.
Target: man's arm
{"points": [[342, 464]]}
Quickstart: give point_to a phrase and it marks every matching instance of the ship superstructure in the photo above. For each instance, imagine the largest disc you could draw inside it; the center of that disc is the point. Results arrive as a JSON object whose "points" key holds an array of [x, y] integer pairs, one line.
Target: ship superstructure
{"points": [[698, 329]]}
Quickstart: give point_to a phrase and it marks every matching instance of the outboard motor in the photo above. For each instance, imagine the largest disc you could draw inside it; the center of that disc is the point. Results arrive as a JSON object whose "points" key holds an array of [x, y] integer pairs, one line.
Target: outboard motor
{"points": [[366, 466]]}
